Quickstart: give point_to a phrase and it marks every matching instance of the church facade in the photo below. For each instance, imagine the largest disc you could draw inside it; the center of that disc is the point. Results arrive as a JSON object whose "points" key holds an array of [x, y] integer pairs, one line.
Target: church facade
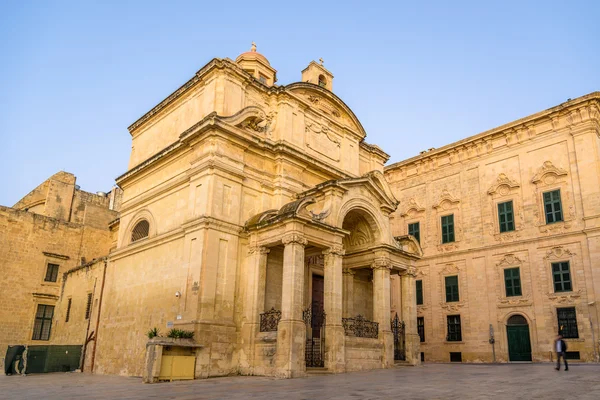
{"points": [[256, 216]]}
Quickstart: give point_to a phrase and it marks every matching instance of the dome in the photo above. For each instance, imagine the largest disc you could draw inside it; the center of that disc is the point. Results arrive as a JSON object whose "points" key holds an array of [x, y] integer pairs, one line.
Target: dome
{"points": [[252, 55]]}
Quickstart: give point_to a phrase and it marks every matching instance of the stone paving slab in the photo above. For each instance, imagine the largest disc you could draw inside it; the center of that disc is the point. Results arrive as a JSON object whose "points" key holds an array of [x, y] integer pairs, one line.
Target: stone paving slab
{"points": [[431, 381]]}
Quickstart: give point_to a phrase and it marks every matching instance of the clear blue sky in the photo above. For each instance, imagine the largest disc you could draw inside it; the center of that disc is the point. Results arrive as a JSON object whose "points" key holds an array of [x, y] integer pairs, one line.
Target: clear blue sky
{"points": [[74, 75]]}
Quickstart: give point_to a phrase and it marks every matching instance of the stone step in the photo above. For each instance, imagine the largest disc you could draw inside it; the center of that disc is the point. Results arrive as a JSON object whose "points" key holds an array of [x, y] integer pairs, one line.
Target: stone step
{"points": [[317, 371]]}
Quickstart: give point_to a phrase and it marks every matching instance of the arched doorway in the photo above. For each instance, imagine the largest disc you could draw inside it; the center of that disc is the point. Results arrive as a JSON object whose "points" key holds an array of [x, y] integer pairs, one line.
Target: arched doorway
{"points": [[517, 332]]}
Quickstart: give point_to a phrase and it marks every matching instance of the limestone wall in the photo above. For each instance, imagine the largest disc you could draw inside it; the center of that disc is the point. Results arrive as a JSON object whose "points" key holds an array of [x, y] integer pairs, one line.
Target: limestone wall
{"points": [[28, 242], [553, 150]]}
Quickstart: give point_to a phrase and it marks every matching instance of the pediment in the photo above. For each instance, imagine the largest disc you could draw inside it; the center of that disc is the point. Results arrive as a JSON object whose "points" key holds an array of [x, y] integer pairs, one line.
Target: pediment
{"points": [[375, 183], [503, 185], [412, 206], [547, 171], [325, 102], [446, 200]]}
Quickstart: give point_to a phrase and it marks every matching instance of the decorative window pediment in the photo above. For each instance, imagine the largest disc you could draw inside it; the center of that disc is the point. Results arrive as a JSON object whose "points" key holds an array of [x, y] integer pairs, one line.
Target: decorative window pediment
{"points": [[548, 174], [509, 259], [446, 201], [558, 252], [502, 186], [412, 207]]}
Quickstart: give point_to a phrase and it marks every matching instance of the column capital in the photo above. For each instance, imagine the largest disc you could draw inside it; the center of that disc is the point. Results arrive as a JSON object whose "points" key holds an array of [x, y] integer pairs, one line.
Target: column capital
{"points": [[410, 271], [294, 238], [258, 249], [348, 271], [381, 263], [335, 250]]}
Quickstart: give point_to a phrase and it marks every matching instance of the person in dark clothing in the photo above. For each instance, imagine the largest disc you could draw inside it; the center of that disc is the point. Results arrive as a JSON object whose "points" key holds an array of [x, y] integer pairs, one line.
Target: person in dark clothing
{"points": [[561, 349]]}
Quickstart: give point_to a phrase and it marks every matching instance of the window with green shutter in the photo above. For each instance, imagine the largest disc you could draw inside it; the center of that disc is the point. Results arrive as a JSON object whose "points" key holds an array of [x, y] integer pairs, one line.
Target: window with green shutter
{"points": [[448, 228], [562, 277], [452, 288], [415, 230], [419, 292], [512, 282], [506, 216], [553, 206]]}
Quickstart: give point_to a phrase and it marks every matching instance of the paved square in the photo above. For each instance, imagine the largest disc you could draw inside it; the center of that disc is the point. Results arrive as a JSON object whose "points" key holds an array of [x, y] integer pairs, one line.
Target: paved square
{"points": [[432, 381]]}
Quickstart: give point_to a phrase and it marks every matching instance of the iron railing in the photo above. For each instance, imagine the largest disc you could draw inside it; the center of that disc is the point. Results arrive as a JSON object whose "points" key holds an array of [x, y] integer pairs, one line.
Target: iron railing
{"points": [[360, 327], [398, 329], [269, 320]]}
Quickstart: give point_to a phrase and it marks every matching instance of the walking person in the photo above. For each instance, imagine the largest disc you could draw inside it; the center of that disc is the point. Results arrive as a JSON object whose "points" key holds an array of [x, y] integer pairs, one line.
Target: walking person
{"points": [[561, 349]]}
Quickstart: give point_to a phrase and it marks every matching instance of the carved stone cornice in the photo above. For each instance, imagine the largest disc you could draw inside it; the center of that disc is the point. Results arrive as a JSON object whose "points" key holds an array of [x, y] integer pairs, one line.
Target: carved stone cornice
{"points": [[410, 206], [547, 169], [564, 297], [259, 250], [558, 252], [381, 263], [446, 197], [335, 250], [452, 307], [294, 238], [509, 259], [518, 301], [503, 185]]}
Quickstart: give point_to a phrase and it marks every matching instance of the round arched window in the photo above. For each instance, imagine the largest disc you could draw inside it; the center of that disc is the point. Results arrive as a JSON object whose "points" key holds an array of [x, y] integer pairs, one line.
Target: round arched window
{"points": [[140, 230], [517, 320]]}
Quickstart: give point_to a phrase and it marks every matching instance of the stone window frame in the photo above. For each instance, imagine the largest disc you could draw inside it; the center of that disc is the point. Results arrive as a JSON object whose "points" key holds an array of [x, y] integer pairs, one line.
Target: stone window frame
{"points": [[520, 281], [547, 179], [453, 269], [553, 274], [144, 214], [508, 261], [37, 304], [412, 214], [448, 205], [51, 258], [504, 190], [559, 254], [577, 320]]}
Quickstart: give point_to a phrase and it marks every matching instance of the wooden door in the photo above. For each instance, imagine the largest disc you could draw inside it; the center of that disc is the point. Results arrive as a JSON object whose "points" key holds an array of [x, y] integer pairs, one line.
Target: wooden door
{"points": [[519, 345], [317, 305]]}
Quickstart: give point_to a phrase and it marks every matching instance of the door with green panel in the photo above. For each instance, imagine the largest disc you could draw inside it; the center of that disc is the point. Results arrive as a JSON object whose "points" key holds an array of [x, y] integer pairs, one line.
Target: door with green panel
{"points": [[519, 345]]}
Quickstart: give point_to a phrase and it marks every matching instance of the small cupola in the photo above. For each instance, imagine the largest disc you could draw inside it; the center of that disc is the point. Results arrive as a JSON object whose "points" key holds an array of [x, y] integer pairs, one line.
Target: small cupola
{"points": [[318, 75], [258, 66]]}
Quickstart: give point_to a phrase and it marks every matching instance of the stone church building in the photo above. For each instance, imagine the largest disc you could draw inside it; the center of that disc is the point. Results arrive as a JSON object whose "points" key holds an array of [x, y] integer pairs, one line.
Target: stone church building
{"points": [[257, 216]]}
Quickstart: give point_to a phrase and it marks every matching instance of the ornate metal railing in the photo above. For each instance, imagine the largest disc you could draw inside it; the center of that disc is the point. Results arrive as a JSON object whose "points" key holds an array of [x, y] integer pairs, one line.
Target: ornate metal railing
{"points": [[315, 317], [269, 320], [360, 327], [398, 333]]}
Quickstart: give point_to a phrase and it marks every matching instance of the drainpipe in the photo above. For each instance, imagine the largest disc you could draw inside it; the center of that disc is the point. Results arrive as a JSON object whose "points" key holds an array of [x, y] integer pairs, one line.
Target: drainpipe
{"points": [[98, 316], [88, 337]]}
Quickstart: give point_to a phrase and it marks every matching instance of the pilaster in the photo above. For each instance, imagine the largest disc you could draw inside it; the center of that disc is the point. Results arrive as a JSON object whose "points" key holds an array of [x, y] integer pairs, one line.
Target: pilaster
{"points": [[409, 315], [256, 273], [381, 308], [291, 331], [335, 353]]}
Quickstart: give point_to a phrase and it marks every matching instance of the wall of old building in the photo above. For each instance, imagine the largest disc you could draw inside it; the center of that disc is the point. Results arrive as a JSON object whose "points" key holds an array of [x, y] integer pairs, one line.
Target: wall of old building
{"points": [[28, 242], [554, 149]]}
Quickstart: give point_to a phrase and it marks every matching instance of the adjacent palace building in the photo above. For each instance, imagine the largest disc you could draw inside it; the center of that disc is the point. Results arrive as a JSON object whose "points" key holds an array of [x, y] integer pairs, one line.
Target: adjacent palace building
{"points": [[257, 217]]}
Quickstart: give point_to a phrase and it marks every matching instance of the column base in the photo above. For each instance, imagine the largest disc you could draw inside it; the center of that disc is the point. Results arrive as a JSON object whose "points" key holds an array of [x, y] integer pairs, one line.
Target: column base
{"points": [[291, 343], [335, 349]]}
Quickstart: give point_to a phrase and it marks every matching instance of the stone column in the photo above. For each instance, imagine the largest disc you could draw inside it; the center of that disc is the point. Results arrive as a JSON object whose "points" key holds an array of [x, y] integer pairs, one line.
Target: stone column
{"points": [[335, 352], [348, 276], [381, 309], [291, 331], [409, 315], [254, 302]]}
